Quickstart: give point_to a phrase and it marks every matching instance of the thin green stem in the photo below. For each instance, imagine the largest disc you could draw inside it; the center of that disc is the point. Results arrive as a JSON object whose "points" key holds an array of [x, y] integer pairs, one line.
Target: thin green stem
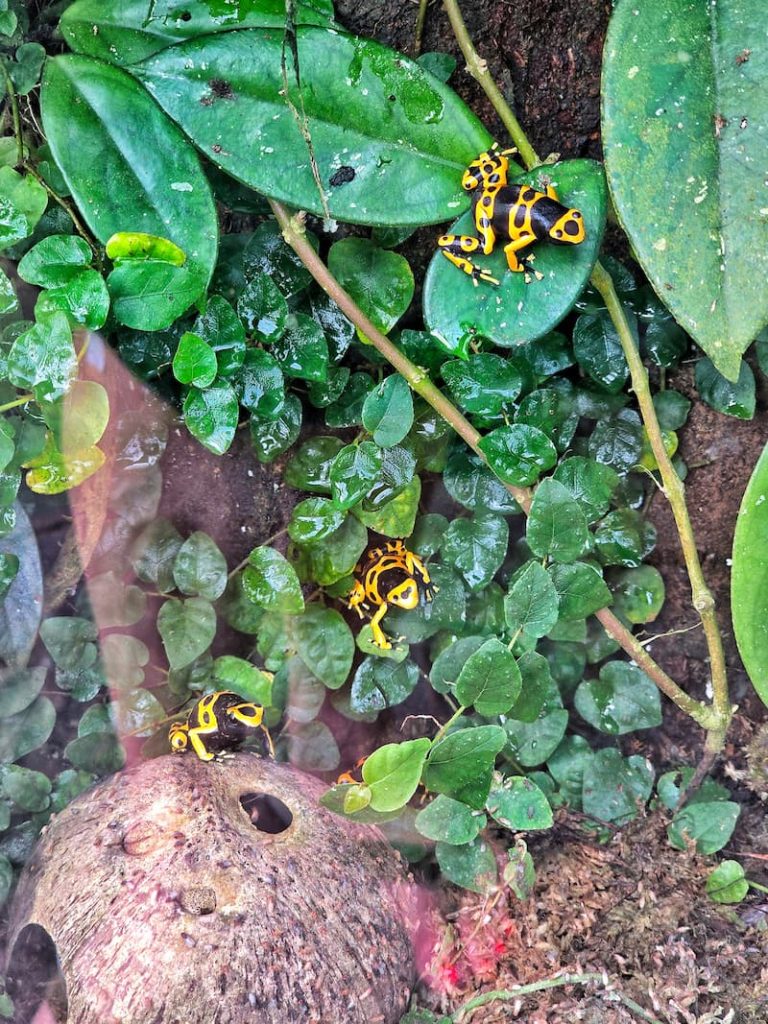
{"points": [[418, 34], [81, 229], [22, 400], [674, 489], [509, 994], [444, 728], [757, 885], [478, 68], [242, 564]]}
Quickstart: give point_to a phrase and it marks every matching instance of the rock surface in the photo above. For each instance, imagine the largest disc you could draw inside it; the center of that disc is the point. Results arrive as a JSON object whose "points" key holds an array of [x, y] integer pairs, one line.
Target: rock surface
{"points": [[187, 892]]}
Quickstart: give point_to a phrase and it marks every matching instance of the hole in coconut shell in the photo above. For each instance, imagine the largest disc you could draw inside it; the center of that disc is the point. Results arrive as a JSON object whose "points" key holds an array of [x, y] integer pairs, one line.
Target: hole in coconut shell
{"points": [[33, 976], [267, 813]]}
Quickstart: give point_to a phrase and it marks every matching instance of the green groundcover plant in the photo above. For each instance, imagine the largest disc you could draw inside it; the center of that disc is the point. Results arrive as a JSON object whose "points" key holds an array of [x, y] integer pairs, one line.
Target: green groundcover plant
{"points": [[535, 415]]}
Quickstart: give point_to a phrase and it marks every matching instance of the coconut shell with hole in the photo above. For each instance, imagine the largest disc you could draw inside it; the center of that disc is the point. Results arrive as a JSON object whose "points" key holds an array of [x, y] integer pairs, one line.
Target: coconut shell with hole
{"points": [[167, 904]]}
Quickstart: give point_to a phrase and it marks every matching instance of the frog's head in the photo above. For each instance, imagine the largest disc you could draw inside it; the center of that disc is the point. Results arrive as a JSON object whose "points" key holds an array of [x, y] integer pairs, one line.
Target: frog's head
{"points": [[178, 737], [568, 229], [490, 168], [248, 713]]}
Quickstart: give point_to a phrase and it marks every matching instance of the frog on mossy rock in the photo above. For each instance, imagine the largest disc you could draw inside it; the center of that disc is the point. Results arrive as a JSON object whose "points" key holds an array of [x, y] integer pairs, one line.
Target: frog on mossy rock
{"points": [[218, 724]]}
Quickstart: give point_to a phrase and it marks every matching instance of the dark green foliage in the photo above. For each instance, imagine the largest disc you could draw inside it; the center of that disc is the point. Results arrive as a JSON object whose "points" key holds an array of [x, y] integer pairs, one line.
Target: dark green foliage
{"points": [[234, 333]]}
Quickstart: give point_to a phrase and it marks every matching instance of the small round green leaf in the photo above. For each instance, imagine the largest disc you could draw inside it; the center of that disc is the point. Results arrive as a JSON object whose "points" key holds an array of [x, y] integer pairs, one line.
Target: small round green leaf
{"points": [[302, 350], [489, 680], [26, 731], [194, 361], [520, 805], [353, 472], [615, 788], [726, 883], [531, 606], [461, 764], [271, 582], [709, 825], [472, 866], [271, 437], [581, 590], [734, 398], [187, 628], [445, 820], [309, 469], [476, 547], [211, 416], [313, 519], [325, 644], [556, 525], [388, 411], [393, 772], [484, 384], [622, 700], [518, 454], [200, 569]]}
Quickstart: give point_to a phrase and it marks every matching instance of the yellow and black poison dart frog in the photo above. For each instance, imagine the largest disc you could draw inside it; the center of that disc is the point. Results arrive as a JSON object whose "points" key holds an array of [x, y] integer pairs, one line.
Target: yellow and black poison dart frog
{"points": [[514, 215], [219, 722], [392, 575]]}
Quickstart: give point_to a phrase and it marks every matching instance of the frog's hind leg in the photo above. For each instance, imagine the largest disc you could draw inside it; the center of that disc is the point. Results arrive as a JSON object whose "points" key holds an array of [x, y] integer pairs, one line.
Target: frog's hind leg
{"points": [[515, 264], [457, 248]]}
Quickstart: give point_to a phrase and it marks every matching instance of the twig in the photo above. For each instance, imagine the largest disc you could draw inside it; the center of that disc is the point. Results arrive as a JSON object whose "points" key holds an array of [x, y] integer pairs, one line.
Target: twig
{"points": [[508, 994], [418, 35], [478, 68]]}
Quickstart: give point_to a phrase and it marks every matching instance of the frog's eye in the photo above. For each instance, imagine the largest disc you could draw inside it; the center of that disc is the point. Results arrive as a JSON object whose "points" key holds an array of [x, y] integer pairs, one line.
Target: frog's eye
{"points": [[179, 740]]}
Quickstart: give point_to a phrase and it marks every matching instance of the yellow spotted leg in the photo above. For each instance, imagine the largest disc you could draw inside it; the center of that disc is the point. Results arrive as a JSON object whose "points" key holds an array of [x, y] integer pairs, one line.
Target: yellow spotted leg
{"points": [[378, 634], [456, 247]]}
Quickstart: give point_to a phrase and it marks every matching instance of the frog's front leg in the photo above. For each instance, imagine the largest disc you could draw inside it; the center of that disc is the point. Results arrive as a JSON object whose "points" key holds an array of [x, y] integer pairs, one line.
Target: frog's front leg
{"points": [[198, 744], [516, 265], [270, 744], [378, 633], [456, 247]]}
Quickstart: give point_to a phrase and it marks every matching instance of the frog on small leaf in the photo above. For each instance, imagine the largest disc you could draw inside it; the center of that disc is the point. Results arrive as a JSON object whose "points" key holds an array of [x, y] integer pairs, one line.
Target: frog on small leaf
{"points": [[391, 576]]}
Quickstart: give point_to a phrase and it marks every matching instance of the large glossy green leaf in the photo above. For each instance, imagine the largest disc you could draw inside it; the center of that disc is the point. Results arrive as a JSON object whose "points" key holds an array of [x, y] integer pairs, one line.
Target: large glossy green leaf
{"points": [[130, 30], [130, 169], [684, 119], [390, 141], [522, 307], [749, 578]]}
